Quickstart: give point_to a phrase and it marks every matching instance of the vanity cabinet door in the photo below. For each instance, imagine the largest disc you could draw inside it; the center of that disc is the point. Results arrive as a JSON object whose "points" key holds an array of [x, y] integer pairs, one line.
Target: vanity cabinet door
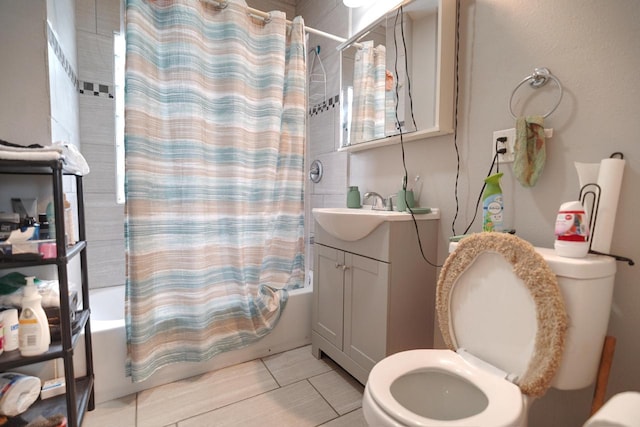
{"points": [[365, 310], [328, 295]]}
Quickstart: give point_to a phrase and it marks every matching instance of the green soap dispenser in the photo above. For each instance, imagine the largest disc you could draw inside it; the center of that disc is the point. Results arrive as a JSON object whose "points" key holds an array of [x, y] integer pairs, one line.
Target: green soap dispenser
{"points": [[492, 204], [353, 197]]}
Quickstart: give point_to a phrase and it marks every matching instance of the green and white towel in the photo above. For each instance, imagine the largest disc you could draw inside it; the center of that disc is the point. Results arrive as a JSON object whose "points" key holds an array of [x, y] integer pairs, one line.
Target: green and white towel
{"points": [[529, 150]]}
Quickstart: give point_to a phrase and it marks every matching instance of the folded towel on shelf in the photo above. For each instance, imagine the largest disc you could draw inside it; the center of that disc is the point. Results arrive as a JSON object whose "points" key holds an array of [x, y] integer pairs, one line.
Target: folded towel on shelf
{"points": [[68, 153], [74, 161], [32, 154], [12, 286]]}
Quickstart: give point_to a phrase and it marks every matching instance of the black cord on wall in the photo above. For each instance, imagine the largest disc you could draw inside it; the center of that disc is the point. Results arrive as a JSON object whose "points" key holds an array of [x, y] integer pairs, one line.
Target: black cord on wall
{"points": [[397, 100], [455, 118], [455, 138]]}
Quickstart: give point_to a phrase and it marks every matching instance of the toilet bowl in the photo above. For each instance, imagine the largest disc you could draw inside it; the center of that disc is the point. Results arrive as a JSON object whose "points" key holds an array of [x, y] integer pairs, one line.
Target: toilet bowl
{"points": [[439, 387], [502, 313]]}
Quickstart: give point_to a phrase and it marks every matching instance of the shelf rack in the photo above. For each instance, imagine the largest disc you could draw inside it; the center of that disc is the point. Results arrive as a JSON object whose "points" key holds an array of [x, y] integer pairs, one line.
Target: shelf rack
{"points": [[79, 395]]}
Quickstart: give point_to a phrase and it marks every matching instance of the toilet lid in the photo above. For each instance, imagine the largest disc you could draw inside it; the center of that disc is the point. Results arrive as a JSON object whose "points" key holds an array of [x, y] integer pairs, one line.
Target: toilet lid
{"points": [[498, 299]]}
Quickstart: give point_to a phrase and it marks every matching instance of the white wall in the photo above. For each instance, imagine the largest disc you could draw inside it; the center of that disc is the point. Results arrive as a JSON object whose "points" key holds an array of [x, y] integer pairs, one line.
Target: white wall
{"points": [[24, 88], [592, 47], [24, 112]]}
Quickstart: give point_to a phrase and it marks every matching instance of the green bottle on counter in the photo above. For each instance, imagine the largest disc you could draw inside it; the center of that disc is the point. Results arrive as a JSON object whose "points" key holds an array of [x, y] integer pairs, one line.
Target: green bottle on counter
{"points": [[353, 197]]}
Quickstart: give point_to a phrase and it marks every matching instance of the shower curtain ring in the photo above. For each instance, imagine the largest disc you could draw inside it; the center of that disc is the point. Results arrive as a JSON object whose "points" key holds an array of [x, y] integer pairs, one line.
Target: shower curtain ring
{"points": [[263, 16]]}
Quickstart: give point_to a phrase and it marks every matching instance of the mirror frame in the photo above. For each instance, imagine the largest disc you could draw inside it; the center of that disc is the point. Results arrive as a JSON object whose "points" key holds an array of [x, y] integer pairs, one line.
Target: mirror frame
{"points": [[445, 80]]}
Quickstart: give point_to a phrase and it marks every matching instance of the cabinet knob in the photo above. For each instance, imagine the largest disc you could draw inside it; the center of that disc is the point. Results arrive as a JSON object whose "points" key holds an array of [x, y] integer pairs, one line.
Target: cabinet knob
{"points": [[342, 266]]}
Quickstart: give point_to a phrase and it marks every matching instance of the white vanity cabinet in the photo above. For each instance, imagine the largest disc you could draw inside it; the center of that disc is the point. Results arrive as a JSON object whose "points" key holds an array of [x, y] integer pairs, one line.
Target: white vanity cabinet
{"points": [[375, 296]]}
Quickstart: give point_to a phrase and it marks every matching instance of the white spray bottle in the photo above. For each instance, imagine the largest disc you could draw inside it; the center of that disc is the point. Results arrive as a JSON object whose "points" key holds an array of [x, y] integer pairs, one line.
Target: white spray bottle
{"points": [[34, 334]]}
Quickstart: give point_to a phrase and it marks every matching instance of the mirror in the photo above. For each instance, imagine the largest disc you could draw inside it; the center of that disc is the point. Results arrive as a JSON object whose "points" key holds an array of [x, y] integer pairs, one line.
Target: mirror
{"points": [[397, 76]]}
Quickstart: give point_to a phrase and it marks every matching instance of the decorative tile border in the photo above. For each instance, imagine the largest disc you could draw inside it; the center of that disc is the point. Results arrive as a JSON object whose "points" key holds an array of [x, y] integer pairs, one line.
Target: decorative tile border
{"points": [[324, 106], [97, 89], [85, 88], [52, 39]]}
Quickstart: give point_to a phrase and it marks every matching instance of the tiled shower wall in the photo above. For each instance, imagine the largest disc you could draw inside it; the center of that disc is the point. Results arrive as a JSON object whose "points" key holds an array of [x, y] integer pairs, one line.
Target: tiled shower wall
{"points": [[324, 119], [96, 22]]}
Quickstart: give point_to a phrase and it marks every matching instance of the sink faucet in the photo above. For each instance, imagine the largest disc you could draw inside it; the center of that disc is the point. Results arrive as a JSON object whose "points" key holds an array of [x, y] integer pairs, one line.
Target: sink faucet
{"points": [[379, 202]]}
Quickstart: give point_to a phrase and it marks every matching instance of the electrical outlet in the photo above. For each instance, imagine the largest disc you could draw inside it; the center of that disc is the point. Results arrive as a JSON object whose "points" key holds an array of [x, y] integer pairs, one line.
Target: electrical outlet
{"points": [[509, 144]]}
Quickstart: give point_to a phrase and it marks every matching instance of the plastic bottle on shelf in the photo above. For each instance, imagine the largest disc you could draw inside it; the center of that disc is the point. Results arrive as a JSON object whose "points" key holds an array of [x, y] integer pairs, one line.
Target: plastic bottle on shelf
{"points": [[68, 223], [34, 334], [10, 322], [44, 226], [51, 219]]}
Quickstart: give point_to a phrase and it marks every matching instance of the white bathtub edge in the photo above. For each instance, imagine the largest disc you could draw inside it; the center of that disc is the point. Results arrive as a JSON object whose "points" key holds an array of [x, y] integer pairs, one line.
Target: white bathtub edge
{"points": [[292, 331]]}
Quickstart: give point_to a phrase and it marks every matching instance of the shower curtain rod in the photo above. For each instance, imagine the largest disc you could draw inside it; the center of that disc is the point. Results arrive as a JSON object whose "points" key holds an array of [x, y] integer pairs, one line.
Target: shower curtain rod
{"points": [[266, 16]]}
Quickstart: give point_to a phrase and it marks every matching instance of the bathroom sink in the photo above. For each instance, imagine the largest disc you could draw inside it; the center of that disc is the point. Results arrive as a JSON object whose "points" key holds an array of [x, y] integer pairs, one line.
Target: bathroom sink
{"points": [[354, 224]]}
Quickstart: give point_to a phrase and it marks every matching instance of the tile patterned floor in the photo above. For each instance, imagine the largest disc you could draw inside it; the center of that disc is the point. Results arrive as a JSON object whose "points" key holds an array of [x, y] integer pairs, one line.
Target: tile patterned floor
{"points": [[287, 389]]}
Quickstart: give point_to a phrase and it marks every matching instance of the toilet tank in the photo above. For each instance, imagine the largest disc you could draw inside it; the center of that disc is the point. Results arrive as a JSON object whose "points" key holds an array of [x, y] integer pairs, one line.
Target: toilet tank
{"points": [[587, 288]]}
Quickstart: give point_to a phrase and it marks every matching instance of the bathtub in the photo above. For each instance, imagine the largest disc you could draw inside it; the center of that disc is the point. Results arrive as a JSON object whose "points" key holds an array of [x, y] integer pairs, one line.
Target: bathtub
{"points": [[110, 349]]}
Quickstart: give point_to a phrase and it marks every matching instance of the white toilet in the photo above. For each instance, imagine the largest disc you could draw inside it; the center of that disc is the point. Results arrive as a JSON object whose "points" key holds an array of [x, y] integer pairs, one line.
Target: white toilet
{"points": [[517, 320], [621, 410]]}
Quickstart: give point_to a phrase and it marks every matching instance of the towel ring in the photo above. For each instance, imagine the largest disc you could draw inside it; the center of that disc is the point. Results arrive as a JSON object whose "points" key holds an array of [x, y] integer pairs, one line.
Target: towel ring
{"points": [[539, 78]]}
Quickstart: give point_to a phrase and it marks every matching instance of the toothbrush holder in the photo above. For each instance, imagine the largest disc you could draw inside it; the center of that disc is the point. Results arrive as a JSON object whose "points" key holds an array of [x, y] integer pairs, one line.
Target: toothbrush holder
{"points": [[405, 198]]}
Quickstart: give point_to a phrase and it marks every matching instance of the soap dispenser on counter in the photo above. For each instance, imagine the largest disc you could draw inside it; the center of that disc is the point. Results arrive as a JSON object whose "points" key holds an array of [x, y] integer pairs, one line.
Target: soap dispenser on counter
{"points": [[353, 197]]}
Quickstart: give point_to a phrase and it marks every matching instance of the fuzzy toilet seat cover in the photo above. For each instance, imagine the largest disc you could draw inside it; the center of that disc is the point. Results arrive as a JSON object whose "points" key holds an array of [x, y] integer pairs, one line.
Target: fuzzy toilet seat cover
{"points": [[541, 282]]}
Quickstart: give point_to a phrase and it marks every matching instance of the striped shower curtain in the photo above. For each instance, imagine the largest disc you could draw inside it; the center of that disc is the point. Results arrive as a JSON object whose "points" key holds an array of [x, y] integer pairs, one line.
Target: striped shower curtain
{"points": [[214, 140], [368, 114]]}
